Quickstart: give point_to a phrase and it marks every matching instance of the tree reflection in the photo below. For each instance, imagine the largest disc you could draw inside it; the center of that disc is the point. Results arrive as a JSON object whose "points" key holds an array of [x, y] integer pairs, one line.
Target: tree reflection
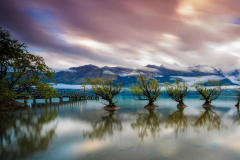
{"points": [[24, 135], [106, 126], [177, 120], [209, 120], [236, 116], [147, 122]]}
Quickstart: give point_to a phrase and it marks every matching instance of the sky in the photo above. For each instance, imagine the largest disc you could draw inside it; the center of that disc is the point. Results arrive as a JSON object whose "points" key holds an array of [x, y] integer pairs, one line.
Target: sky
{"points": [[127, 33]]}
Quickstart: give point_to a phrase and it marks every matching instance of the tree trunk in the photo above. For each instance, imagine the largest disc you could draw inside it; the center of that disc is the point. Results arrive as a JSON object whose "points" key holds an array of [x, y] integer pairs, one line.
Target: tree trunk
{"points": [[111, 104], [150, 102], [181, 103], [207, 102]]}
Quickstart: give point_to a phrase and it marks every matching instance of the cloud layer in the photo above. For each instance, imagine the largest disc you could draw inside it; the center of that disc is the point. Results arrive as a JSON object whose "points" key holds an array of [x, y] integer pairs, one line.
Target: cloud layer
{"points": [[128, 33]]}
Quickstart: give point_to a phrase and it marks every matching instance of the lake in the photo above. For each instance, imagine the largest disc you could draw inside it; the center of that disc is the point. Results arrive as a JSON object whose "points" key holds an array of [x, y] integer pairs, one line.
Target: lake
{"points": [[82, 130]]}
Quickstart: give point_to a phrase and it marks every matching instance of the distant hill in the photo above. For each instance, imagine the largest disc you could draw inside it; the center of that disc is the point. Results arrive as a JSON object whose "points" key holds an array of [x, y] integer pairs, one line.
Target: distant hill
{"points": [[233, 75], [128, 76]]}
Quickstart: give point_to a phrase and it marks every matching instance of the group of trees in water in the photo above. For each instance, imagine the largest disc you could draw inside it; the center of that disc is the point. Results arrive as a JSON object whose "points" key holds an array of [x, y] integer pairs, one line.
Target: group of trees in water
{"points": [[150, 90], [22, 72]]}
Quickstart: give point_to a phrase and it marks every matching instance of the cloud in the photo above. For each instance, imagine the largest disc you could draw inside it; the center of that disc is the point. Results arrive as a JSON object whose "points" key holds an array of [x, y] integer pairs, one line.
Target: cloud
{"points": [[107, 72], [126, 32], [192, 80], [176, 67]]}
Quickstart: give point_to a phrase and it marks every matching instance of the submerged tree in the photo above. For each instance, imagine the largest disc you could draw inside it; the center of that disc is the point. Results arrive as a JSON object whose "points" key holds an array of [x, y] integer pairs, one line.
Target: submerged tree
{"points": [[106, 126], [177, 120], [20, 71], [237, 95], [105, 88], [209, 90], [147, 122], [146, 90], [177, 91]]}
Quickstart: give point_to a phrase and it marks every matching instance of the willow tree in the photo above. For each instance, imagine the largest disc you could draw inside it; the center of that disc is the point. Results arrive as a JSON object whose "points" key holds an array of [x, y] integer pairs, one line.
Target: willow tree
{"points": [[105, 88], [209, 90], [21, 71], [237, 95], [146, 90], [177, 91]]}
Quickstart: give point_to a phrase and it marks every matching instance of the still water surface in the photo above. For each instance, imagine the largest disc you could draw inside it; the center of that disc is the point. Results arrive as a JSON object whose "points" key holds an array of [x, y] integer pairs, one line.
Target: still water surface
{"points": [[82, 130]]}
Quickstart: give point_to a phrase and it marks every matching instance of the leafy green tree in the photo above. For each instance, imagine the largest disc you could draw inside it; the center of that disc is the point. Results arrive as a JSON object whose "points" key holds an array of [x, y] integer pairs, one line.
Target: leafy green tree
{"points": [[237, 95], [20, 71], [84, 88], [146, 90], [177, 91], [209, 90], [105, 88]]}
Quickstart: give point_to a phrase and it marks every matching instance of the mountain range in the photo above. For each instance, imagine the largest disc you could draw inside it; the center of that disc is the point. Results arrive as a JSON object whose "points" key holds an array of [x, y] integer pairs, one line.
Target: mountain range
{"points": [[128, 76]]}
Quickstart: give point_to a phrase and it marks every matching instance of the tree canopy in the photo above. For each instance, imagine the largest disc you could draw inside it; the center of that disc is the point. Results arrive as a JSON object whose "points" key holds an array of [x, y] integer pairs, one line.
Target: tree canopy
{"points": [[83, 88], [105, 88], [177, 91], [21, 71], [209, 90], [146, 90]]}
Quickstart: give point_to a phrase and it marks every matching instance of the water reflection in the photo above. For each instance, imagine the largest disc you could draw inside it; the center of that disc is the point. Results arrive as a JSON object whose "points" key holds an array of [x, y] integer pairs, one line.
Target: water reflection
{"points": [[105, 127], [236, 116], [208, 119], [23, 135], [30, 135], [147, 122], [177, 120]]}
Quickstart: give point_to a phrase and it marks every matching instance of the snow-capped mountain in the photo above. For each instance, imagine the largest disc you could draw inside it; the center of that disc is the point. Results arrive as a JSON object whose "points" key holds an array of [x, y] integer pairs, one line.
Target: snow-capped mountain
{"points": [[233, 75], [204, 69], [129, 75]]}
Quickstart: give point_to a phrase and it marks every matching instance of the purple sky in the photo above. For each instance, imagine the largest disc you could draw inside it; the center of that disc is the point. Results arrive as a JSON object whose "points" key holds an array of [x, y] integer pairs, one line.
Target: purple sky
{"points": [[129, 33]]}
